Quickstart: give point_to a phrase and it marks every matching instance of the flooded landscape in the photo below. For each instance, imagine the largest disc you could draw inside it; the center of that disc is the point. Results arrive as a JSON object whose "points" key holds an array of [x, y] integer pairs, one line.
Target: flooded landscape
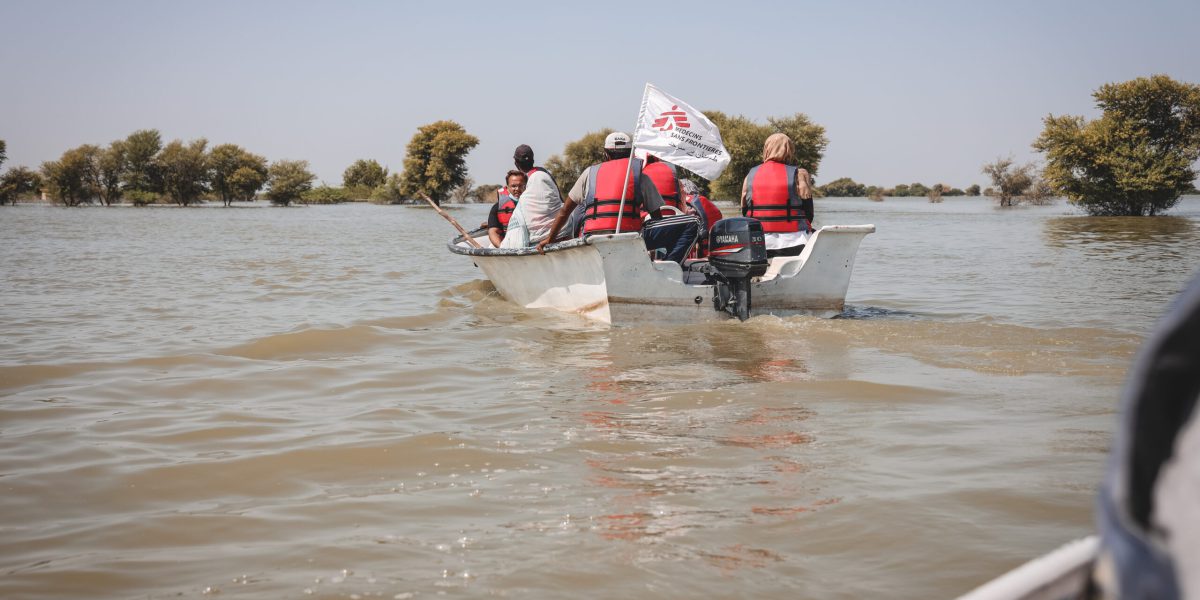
{"points": [[324, 402]]}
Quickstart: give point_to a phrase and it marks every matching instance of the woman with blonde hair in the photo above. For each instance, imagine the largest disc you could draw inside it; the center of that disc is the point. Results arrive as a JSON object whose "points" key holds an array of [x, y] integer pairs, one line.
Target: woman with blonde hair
{"points": [[779, 194]]}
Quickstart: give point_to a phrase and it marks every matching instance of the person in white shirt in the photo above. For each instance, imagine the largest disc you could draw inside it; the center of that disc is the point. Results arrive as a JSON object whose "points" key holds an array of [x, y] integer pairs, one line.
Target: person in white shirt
{"points": [[536, 208]]}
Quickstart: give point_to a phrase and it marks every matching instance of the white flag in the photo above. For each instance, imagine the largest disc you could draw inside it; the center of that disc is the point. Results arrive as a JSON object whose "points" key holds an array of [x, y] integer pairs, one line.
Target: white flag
{"points": [[679, 134]]}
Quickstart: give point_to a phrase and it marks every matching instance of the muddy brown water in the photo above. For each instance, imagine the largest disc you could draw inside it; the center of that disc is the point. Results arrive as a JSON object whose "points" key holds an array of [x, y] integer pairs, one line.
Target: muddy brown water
{"points": [[323, 402]]}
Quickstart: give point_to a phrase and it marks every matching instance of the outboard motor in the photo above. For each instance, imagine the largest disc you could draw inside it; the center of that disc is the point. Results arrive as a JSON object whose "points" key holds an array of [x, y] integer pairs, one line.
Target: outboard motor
{"points": [[737, 252]]}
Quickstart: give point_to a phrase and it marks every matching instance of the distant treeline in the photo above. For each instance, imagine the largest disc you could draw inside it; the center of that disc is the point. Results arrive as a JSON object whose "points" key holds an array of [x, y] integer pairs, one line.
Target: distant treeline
{"points": [[848, 188], [141, 170]]}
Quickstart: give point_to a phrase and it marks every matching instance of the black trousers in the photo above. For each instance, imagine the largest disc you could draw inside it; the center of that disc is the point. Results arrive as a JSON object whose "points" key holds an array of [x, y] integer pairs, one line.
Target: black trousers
{"points": [[674, 236]]}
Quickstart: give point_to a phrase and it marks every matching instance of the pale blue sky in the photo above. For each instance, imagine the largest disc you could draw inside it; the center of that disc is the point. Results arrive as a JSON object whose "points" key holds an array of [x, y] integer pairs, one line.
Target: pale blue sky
{"points": [[907, 91]]}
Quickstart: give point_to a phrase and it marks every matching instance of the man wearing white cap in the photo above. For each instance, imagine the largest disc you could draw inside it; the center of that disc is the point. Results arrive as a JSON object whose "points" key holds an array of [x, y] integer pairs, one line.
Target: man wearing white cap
{"points": [[600, 190]]}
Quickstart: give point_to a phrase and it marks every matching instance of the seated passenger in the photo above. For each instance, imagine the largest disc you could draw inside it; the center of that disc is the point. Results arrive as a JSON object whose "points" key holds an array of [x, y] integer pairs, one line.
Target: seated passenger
{"points": [[674, 235], [502, 210], [779, 194], [537, 206], [671, 237], [666, 180], [708, 213], [601, 188]]}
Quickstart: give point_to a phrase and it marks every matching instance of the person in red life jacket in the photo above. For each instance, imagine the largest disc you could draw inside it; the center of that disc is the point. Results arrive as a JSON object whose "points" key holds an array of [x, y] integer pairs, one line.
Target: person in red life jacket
{"points": [[696, 204], [600, 188], [779, 194], [666, 180], [506, 201], [674, 235], [538, 205]]}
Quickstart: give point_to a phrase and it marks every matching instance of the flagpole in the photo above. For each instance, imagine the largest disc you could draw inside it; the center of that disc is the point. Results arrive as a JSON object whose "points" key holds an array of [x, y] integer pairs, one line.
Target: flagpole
{"points": [[624, 187], [629, 167]]}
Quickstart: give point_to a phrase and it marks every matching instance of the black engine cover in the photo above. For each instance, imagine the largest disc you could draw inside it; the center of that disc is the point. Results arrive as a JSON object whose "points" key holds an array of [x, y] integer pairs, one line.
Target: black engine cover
{"points": [[737, 247]]}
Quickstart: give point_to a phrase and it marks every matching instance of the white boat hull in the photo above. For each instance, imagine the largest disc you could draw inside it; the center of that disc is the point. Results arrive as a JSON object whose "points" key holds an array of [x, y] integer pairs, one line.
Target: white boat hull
{"points": [[611, 279], [1064, 573]]}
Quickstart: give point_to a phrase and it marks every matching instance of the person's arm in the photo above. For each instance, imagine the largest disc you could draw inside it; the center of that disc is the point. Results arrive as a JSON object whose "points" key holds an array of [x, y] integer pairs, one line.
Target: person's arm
{"points": [[804, 191], [652, 201], [563, 214], [493, 225], [574, 197]]}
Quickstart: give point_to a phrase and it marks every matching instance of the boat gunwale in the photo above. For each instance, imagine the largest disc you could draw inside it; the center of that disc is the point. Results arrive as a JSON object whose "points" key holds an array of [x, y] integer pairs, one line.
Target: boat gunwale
{"points": [[454, 246]]}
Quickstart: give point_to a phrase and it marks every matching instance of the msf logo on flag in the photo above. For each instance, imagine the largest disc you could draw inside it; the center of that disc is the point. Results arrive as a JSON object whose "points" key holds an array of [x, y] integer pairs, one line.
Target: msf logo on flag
{"points": [[670, 119]]}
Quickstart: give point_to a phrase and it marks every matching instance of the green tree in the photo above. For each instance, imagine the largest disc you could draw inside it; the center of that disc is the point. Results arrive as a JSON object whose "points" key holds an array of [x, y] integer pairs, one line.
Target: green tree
{"points": [[89, 156], [72, 179], [225, 161], [389, 192], [844, 188], [743, 139], [141, 161], [288, 180], [875, 193], [17, 182], [576, 157], [808, 137], [435, 160], [973, 189], [485, 193], [245, 182], [900, 191], [1010, 180], [364, 173], [324, 194], [918, 189], [110, 168], [3, 152], [1137, 158], [184, 169]]}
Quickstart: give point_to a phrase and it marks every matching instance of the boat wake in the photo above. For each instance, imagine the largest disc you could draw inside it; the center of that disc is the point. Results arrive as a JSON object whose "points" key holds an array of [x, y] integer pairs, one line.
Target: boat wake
{"points": [[874, 312]]}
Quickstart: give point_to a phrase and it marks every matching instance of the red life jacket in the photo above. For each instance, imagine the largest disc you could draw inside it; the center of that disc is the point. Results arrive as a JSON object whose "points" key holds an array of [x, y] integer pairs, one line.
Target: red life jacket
{"points": [[602, 199], [709, 214], [771, 198], [666, 179], [505, 204]]}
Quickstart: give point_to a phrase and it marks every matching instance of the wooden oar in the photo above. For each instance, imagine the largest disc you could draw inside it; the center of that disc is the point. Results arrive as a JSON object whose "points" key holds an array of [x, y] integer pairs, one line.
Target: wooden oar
{"points": [[466, 236]]}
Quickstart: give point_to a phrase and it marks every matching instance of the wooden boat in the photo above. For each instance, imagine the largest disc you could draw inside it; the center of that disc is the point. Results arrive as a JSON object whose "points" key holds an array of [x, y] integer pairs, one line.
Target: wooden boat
{"points": [[612, 279]]}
